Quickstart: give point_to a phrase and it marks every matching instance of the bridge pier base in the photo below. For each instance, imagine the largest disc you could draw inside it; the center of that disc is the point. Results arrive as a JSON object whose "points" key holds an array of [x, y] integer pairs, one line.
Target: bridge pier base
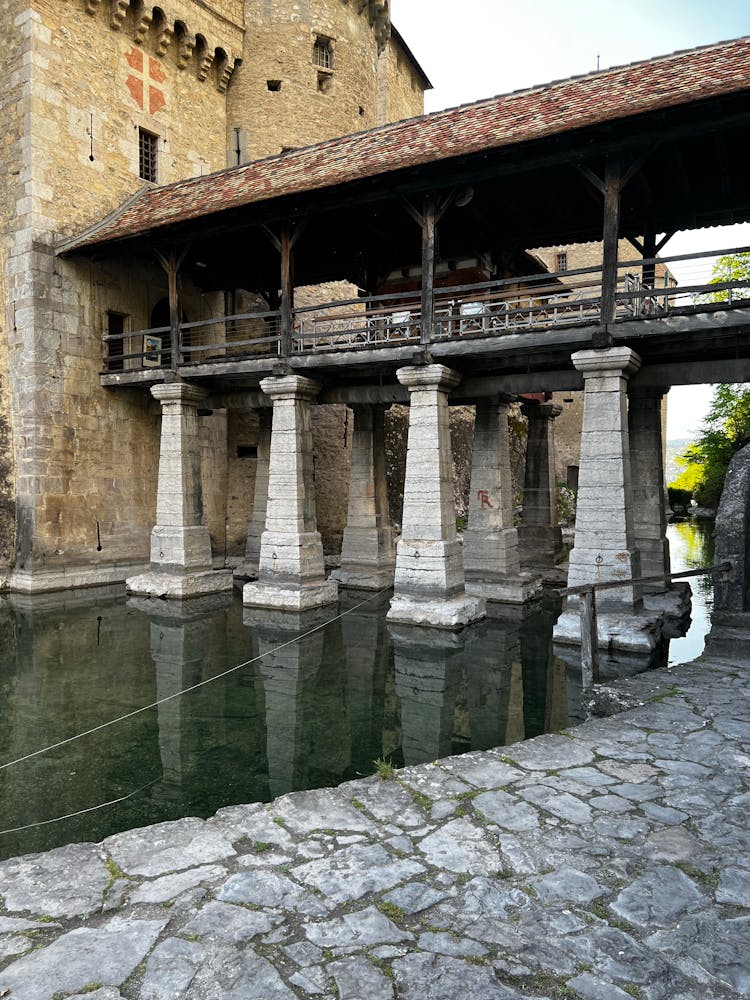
{"points": [[649, 502], [291, 571], [368, 552], [540, 537], [429, 586], [605, 549], [491, 561], [181, 562]]}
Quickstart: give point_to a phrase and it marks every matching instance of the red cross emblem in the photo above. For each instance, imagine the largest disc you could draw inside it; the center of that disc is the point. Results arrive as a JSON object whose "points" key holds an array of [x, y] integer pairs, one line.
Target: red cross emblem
{"points": [[145, 75]]}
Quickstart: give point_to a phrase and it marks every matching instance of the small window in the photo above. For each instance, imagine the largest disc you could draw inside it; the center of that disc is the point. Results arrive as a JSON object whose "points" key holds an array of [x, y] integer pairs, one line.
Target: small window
{"points": [[247, 451], [361, 111], [274, 85], [148, 148], [325, 82], [562, 261], [323, 53]]}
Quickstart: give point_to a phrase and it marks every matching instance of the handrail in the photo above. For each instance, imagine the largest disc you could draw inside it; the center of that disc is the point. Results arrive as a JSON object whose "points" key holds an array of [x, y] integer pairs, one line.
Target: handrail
{"points": [[589, 632], [501, 305], [583, 588]]}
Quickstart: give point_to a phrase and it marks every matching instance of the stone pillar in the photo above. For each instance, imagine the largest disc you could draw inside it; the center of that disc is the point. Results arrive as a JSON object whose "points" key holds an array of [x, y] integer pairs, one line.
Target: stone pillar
{"points": [[249, 567], [647, 471], [429, 580], [604, 547], [291, 571], [491, 560], [181, 564], [368, 553], [540, 537]]}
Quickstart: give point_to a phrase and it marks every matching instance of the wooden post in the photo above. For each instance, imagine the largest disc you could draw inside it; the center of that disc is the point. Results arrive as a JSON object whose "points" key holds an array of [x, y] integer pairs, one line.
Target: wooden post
{"points": [[429, 225], [287, 291], [648, 275], [612, 188], [172, 262], [589, 640], [175, 334]]}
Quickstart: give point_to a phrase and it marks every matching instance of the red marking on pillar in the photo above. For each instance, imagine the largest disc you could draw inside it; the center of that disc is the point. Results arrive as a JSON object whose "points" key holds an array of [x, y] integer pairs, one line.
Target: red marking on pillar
{"points": [[483, 496]]}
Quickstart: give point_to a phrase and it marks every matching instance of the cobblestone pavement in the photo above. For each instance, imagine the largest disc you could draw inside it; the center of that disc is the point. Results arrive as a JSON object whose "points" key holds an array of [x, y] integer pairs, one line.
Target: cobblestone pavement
{"points": [[607, 863]]}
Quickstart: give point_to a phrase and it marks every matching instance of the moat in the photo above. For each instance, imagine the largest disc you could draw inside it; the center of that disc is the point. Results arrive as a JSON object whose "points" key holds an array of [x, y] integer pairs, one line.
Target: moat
{"points": [[300, 713]]}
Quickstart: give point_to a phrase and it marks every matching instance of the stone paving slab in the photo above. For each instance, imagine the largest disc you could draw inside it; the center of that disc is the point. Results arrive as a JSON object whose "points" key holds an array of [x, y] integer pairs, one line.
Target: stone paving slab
{"points": [[608, 862]]}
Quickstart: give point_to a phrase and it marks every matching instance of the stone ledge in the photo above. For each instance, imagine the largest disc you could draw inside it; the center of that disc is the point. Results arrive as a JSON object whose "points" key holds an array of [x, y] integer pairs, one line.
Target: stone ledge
{"points": [[182, 586], [271, 595]]}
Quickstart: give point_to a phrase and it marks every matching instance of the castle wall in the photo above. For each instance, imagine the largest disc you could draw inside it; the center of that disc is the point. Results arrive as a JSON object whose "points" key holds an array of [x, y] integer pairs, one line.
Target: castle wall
{"points": [[83, 77], [312, 104], [400, 86], [87, 457], [11, 188]]}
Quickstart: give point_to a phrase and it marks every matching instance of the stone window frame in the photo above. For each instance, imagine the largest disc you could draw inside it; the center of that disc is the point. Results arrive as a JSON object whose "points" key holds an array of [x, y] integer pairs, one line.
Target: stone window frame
{"points": [[148, 155], [323, 53]]}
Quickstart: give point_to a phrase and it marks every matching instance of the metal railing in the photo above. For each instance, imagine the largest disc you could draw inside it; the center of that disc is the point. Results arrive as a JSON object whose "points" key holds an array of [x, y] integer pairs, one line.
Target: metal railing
{"points": [[645, 289], [589, 628]]}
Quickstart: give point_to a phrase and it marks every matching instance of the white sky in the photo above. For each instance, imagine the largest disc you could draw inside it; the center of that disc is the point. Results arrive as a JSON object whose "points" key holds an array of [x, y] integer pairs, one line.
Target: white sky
{"points": [[478, 48]]}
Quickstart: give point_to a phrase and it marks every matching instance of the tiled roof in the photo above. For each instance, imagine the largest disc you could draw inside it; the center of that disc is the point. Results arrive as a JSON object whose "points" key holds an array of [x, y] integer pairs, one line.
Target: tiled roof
{"points": [[493, 123]]}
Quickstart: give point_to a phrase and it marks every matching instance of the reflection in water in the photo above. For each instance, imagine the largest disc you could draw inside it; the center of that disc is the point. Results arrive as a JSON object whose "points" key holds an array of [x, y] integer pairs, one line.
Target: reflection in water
{"points": [[691, 544], [301, 713]]}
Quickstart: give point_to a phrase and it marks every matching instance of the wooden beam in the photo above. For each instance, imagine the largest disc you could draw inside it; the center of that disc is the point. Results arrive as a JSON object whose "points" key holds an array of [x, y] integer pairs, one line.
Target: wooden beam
{"points": [[610, 236], [287, 291], [172, 262], [429, 233]]}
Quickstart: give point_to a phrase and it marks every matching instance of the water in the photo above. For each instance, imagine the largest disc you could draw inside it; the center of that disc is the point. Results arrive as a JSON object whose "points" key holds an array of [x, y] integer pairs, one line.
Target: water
{"points": [[691, 545], [299, 714]]}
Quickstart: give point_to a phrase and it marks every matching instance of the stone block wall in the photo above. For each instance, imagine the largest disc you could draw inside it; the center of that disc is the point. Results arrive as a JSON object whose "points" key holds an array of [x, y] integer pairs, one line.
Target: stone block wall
{"points": [[80, 79], [400, 86], [280, 99], [11, 190]]}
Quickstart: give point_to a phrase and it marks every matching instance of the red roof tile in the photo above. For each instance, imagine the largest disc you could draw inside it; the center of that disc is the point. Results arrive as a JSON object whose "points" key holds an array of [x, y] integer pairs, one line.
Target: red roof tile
{"points": [[522, 116]]}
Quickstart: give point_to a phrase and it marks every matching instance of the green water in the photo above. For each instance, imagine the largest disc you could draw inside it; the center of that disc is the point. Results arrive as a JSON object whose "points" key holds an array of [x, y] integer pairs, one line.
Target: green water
{"points": [[301, 713]]}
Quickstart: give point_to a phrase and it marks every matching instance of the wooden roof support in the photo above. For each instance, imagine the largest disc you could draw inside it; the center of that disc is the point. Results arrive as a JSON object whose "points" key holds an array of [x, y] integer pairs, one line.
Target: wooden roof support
{"points": [[172, 262], [285, 243], [432, 212]]}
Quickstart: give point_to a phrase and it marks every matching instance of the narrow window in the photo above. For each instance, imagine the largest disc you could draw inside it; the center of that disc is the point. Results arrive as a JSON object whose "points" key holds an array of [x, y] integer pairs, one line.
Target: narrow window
{"points": [[323, 53], [562, 261], [148, 147], [115, 341], [274, 85]]}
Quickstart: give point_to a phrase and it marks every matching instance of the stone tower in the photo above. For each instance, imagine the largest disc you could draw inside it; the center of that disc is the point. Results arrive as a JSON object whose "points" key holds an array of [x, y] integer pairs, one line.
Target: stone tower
{"points": [[311, 71], [100, 97]]}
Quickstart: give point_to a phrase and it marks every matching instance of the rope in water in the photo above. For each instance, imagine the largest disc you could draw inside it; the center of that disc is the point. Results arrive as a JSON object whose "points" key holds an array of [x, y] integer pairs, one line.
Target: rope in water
{"points": [[156, 704]]}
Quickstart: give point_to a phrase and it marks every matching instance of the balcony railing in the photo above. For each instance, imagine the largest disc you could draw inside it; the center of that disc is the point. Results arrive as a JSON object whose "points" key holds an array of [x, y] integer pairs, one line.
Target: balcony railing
{"points": [[645, 290]]}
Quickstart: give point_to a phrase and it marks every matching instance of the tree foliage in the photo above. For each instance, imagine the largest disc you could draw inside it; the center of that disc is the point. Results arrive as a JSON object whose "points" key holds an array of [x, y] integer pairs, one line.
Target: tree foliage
{"points": [[725, 430], [730, 268]]}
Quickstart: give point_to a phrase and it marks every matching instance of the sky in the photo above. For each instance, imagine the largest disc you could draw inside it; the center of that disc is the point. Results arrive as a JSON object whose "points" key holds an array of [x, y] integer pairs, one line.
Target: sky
{"points": [[478, 48]]}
